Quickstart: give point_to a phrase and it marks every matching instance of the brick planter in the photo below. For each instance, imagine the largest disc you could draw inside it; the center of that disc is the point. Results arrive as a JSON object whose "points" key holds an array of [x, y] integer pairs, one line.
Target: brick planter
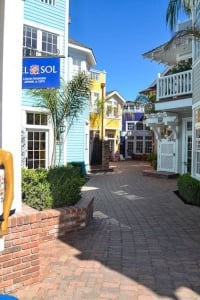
{"points": [[19, 261]]}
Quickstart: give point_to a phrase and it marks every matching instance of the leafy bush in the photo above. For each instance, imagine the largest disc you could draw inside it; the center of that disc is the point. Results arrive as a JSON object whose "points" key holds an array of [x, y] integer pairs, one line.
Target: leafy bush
{"points": [[57, 187], [36, 189], [189, 189], [152, 157], [65, 185]]}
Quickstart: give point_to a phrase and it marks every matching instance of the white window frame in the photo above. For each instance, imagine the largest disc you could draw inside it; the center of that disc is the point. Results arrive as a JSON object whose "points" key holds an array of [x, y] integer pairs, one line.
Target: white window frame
{"points": [[38, 50], [95, 98], [47, 128], [130, 123], [114, 105], [94, 75]]}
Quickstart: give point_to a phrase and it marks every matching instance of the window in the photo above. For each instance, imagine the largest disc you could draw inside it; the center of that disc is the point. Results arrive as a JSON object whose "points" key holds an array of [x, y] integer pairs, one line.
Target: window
{"points": [[112, 110], [131, 126], [77, 62], [130, 147], [189, 125], [36, 119], [37, 42], [116, 114], [36, 150], [29, 41], [139, 144], [36, 140], [50, 2], [94, 75], [49, 42], [76, 65], [197, 116], [148, 144], [109, 110], [139, 126], [95, 103]]}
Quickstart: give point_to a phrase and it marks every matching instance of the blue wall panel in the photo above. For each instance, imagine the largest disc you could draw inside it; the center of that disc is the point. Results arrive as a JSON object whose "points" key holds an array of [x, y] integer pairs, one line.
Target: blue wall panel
{"points": [[45, 14], [75, 138]]}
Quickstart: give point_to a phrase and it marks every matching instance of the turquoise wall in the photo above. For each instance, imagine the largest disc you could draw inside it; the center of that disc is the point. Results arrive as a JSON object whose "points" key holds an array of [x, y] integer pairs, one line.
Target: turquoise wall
{"points": [[76, 138], [53, 18], [45, 14]]}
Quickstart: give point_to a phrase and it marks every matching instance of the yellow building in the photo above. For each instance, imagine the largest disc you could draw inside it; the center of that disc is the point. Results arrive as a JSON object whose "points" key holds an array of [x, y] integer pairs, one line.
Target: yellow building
{"points": [[105, 117]]}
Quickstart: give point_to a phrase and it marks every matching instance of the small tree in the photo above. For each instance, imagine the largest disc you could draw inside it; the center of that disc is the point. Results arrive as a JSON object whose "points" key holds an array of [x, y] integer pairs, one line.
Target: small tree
{"points": [[63, 104]]}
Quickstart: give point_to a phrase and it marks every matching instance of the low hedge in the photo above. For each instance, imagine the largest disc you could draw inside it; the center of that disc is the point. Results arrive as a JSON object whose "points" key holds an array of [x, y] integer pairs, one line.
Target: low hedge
{"points": [[57, 187], [189, 189]]}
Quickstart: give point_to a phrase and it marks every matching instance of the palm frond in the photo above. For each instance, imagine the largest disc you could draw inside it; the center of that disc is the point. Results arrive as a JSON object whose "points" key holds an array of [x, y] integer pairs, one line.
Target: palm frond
{"points": [[175, 8]]}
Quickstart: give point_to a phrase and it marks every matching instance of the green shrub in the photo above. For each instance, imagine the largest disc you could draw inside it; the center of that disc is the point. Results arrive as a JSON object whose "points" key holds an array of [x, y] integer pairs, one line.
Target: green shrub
{"points": [[36, 189], [57, 187], [65, 185], [152, 157], [189, 189]]}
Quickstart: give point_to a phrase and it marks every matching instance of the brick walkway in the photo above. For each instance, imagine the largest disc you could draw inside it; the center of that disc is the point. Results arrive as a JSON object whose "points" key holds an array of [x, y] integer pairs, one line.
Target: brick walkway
{"points": [[143, 244]]}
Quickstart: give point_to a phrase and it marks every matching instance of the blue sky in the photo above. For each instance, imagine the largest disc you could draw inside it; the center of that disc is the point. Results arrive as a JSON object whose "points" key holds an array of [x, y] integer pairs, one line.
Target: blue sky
{"points": [[119, 32]]}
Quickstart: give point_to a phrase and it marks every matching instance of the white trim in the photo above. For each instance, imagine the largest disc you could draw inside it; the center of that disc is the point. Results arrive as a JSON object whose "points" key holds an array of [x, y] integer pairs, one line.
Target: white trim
{"points": [[47, 128], [87, 51], [40, 26], [184, 146], [35, 109], [173, 104], [86, 144]]}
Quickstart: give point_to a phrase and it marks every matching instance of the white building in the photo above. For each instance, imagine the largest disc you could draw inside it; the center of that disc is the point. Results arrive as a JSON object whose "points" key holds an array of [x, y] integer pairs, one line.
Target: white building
{"points": [[11, 29], [172, 121]]}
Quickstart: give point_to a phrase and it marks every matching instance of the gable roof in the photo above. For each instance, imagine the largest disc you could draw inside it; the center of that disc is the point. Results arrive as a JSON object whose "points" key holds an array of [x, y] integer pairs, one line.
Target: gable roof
{"points": [[171, 52], [81, 47], [115, 94], [77, 43]]}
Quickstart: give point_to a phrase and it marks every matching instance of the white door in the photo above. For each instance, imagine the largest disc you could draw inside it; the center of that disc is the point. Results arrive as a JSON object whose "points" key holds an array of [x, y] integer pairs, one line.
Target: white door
{"points": [[167, 156]]}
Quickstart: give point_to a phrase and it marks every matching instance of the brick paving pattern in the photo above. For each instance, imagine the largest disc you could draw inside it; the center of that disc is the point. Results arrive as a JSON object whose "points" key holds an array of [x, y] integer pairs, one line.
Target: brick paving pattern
{"points": [[142, 244]]}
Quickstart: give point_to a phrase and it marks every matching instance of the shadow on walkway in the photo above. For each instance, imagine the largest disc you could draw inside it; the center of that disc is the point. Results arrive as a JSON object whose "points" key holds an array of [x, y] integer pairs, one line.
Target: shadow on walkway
{"points": [[143, 243]]}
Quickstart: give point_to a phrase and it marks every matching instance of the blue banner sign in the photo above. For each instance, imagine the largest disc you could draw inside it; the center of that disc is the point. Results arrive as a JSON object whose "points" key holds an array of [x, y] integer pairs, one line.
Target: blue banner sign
{"points": [[41, 72]]}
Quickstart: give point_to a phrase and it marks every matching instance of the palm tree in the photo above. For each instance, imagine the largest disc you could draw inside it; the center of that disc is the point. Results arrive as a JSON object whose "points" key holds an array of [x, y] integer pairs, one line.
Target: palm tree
{"points": [[64, 104], [190, 8], [175, 7]]}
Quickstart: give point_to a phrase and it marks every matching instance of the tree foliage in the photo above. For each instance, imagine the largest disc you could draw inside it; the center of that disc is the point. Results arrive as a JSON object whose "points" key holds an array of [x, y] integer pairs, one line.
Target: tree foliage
{"points": [[64, 104], [175, 7], [190, 8]]}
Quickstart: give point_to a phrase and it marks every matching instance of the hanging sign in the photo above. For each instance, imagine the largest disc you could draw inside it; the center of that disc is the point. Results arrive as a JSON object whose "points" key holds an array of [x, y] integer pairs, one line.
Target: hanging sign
{"points": [[41, 72]]}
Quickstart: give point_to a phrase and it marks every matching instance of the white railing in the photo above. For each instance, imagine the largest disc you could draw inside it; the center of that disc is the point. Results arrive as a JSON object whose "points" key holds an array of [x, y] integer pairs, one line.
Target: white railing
{"points": [[174, 85]]}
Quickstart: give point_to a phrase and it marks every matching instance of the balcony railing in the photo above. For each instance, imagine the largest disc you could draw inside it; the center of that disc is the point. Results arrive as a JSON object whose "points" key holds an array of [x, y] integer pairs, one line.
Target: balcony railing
{"points": [[178, 84]]}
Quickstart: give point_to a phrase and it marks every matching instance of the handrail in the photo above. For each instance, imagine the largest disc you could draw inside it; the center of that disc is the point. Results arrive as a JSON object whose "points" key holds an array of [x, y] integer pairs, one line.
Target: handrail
{"points": [[174, 85]]}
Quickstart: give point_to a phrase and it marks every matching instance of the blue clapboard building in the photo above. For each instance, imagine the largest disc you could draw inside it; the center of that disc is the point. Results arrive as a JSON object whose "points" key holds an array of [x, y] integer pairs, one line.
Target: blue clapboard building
{"points": [[136, 139]]}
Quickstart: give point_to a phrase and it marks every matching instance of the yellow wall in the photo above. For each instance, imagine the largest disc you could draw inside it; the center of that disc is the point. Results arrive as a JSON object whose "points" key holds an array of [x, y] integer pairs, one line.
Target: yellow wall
{"points": [[95, 85], [112, 124]]}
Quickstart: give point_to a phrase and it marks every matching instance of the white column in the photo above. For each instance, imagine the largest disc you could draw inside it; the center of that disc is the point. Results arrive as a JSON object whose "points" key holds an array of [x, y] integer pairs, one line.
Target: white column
{"points": [[11, 34]]}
